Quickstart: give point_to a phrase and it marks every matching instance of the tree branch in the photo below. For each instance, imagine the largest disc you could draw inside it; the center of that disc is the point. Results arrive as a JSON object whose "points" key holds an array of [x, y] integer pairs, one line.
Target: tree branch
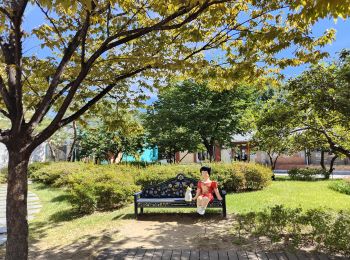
{"points": [[93, 101], [55, 124], [44, 105], [2, 111], [53, 24], [5, 12]]}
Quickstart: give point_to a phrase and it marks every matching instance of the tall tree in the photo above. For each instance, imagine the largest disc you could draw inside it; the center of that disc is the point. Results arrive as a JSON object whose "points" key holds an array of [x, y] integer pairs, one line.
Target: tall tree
{"points": [[273, 132], [91, 48], [320, 99], [200, 115]]}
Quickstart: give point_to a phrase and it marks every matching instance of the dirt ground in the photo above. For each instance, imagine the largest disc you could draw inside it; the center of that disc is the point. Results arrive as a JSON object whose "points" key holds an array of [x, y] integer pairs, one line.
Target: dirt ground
{"points": [[164, 231]]}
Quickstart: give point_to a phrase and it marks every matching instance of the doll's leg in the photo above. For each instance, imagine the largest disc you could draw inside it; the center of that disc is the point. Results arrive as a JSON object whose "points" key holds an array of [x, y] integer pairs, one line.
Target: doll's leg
{"points": [[199, 201], [205, 202]]}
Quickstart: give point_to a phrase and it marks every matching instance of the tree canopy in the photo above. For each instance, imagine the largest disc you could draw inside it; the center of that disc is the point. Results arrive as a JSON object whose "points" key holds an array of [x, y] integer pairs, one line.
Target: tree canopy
{"points": [[193, 112]]}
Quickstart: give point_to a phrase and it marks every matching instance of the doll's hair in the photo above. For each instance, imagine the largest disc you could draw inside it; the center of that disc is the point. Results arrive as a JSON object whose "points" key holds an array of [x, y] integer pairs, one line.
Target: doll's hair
{"points": [[205, 168]]}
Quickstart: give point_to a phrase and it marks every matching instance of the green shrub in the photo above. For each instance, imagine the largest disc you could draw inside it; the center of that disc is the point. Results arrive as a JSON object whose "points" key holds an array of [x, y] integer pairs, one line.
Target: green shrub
{"points": [[231, 177], [156, 174], [329, 231], [55, 174], [306, 174], [342, 186], [257, 176], [232, 180], [35, 166], [103, 190]]}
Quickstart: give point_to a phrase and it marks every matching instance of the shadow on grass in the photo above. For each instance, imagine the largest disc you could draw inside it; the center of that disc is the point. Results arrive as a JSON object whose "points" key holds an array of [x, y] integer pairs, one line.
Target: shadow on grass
{"points": [[65, 215], [42, 186], [61, 198]]}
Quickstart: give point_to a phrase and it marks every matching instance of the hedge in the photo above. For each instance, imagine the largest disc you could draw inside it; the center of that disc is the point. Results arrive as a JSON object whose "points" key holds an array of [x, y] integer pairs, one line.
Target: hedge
{"points": [[342, 186], [102, 187], [233, 177], [306, 174]]}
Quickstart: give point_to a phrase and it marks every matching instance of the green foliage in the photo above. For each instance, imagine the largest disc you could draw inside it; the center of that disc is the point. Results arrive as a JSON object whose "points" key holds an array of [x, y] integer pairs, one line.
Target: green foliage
{"points": [[188, 114], [56, 173], [342, 186], [233, 177], [35, 166], [110, 132], [327, 230], [102, 190], [272, 132], [306, 174]]}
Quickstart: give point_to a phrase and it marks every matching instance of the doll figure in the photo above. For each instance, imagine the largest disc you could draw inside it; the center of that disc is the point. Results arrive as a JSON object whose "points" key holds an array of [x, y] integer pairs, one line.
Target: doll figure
{"points": [[188, 194], [205, 189]]}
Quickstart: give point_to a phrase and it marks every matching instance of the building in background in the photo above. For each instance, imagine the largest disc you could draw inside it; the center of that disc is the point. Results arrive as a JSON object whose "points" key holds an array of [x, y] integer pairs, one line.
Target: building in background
{"points": [[241, 150]]}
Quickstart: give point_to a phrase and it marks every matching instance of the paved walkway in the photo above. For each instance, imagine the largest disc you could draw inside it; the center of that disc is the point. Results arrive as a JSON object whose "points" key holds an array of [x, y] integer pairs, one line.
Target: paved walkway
{"points": [[162, 254], [33, 207]]}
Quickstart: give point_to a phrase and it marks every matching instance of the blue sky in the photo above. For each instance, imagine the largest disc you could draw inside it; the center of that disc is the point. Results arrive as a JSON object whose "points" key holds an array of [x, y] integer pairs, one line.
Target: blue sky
{"points": [[342, 41]]}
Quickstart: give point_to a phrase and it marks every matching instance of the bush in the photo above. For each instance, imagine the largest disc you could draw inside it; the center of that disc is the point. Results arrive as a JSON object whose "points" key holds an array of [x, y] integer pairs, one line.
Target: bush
{"points": [[96, 187], [257, 176], [342, 186], [35, 166], [55, 174], [103, 190], [306, 174], [156, 174], [329, 231], [231, 177]]}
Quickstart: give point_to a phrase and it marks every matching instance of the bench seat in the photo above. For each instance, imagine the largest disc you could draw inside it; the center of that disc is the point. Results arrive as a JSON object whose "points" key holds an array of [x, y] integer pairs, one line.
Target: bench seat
{"points": [[170, 194]]}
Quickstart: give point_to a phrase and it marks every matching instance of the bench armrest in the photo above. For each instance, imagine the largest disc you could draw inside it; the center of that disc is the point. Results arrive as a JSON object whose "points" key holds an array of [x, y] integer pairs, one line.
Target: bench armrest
{"points": [[137, 194]]}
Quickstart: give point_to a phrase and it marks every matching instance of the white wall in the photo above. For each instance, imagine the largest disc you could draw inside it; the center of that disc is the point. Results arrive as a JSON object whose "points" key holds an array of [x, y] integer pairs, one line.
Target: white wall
{"points": [[39, 155]]}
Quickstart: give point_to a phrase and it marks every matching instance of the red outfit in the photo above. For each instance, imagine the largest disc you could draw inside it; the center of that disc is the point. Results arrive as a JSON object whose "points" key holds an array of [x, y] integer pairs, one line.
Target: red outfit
{"points": [[207, 189]]}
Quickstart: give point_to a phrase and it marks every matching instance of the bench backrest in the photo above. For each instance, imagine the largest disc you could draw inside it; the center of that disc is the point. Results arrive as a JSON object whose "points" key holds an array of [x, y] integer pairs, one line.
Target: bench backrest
{"points": [[173, 188]]}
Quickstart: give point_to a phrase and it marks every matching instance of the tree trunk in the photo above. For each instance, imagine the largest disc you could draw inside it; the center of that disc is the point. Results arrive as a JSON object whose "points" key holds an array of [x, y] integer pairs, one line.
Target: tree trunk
{"points": [[183, 156], [70, 154], [331, 169], [322, 160], [271, 162], [274, 163], [16, 206], [53, 154]]}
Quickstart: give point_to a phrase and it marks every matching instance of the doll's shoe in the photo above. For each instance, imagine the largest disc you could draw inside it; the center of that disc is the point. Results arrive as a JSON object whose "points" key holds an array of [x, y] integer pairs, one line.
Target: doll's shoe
{"points": [[201, 210]]}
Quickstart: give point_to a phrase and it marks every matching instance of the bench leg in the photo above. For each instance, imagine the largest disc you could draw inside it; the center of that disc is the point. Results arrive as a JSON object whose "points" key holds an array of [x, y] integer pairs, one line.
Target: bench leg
{"points": [[135, 207], [141, 210], [224, 213]]}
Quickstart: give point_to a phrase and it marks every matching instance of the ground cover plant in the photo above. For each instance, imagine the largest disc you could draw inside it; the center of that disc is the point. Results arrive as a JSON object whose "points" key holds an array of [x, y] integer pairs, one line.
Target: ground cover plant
{"points": [[342, 186], [325, 230]]}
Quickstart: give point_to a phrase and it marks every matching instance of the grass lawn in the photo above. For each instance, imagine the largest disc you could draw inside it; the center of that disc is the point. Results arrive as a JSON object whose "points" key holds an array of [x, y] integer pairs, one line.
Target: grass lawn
{"points": [[56, 224], [293, 194]]}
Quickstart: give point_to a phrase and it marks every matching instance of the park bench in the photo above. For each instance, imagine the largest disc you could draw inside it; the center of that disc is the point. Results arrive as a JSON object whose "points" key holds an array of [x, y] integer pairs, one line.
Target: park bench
{"points": [[171, 194]]}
